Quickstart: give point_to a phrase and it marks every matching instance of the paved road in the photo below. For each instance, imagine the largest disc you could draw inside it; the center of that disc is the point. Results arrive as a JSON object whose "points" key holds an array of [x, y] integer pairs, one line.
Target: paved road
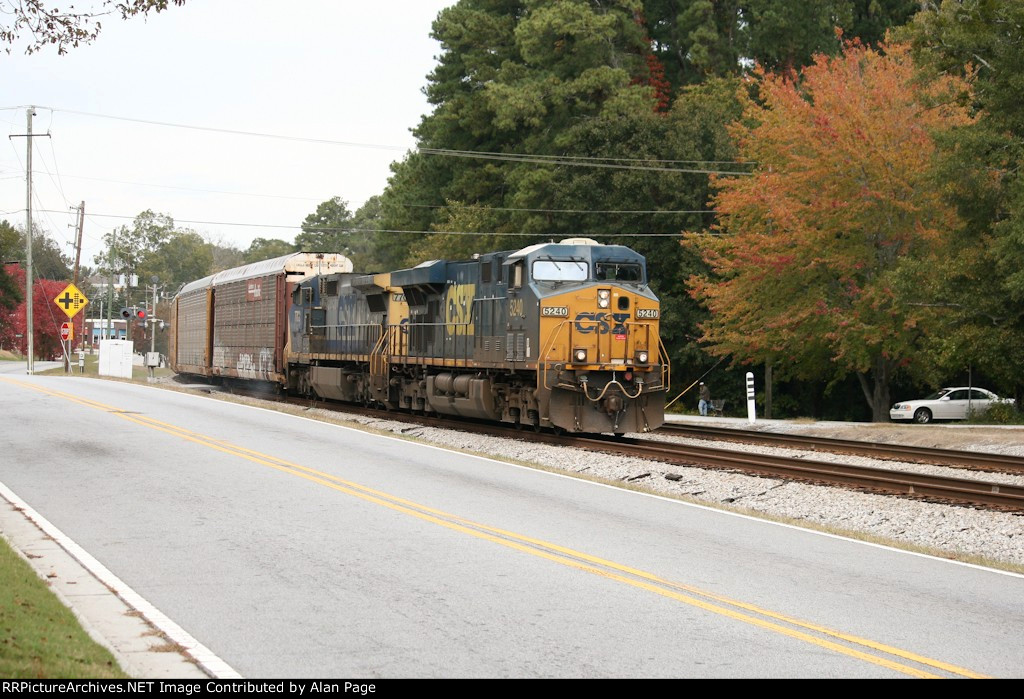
{"points": [[20, 367], [295, 548]]}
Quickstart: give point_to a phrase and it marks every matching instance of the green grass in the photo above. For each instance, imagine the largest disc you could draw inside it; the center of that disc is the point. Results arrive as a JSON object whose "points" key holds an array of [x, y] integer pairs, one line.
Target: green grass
{"points": [[92, 368], [10, 356], [39, 637]]}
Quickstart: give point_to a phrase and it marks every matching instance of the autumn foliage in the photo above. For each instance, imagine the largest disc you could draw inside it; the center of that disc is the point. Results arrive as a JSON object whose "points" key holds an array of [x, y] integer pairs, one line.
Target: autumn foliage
{"points": [[814, 256], [47, 318]]}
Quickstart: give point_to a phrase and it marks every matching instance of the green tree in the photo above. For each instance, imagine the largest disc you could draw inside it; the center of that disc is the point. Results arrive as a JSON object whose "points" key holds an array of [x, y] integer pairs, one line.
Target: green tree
{"points": [[267, 248], [127, 247], [364, 239], [225, 255], [981, 293], [326, 229], [513, 77], [784, 36], [181, 258], [10, 294], [699, 39], [816, 253]]}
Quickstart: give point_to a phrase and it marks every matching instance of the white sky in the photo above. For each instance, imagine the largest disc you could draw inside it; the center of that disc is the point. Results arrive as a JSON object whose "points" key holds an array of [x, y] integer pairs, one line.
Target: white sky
{"points": [[324, 69]]}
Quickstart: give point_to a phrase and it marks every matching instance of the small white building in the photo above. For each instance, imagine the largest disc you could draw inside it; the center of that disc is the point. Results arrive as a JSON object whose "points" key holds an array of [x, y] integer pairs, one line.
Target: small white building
{"points": [[96, 329]]}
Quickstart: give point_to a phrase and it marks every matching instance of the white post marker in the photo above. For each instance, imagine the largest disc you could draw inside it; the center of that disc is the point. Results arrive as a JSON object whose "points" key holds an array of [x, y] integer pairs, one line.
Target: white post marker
{"points": [[751, 410]]}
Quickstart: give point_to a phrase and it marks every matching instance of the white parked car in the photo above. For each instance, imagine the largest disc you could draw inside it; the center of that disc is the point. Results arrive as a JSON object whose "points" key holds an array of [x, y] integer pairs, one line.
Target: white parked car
{"points": [[946, 404]]}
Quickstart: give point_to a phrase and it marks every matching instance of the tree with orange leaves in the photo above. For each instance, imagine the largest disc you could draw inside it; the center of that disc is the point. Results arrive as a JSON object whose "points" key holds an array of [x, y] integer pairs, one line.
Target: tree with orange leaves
{"points": [[814, 254]]}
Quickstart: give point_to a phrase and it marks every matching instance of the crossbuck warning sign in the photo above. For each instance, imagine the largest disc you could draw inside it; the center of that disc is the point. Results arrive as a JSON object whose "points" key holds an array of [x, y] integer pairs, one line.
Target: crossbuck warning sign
{"points": [[71, 300]]}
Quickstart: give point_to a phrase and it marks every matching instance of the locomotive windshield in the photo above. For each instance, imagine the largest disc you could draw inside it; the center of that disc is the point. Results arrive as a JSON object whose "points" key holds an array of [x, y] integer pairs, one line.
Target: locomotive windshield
{"points": [[560, 271], [618, 271]]}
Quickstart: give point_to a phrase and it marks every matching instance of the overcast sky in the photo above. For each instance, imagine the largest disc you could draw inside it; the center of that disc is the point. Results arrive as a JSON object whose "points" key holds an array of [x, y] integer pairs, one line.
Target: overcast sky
{"points": [[334, 70]]}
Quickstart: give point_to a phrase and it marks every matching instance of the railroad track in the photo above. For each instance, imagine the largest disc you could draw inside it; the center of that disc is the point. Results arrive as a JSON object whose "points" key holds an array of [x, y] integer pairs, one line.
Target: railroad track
{"points": [[943, 488], [981, 461], [960, 491]]}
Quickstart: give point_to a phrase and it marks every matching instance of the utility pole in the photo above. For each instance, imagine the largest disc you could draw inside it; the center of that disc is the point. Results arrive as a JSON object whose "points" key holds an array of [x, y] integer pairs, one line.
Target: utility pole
{"points": [[151, 320], [78, 244], [29, 319], [110, 287], [29, 316]]}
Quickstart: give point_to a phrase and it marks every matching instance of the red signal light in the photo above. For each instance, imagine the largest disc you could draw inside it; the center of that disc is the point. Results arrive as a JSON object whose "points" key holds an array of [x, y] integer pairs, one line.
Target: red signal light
{"points": [[140, 313]]}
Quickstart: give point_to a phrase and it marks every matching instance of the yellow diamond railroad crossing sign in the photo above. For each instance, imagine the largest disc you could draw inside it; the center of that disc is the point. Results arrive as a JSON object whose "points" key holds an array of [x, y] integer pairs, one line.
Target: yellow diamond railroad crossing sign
{"points": [[71, 300]]}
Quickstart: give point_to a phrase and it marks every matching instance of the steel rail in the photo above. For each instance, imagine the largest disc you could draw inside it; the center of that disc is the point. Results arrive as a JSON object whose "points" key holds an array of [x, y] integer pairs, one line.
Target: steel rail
{"points": [[961, 490], [879, 450]]}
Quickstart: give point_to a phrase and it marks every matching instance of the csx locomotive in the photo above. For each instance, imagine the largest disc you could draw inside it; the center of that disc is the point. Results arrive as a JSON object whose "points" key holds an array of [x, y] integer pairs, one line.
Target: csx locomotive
{"points": [[561, 335]]}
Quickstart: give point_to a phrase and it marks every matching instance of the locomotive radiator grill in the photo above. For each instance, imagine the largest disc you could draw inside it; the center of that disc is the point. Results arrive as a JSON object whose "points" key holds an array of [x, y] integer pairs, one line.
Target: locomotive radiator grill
{"points": [[515, 347]]}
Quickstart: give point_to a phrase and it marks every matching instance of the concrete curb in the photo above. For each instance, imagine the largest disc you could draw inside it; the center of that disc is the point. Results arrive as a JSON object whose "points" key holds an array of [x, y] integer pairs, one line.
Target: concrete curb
{"points": [[144, 642]]}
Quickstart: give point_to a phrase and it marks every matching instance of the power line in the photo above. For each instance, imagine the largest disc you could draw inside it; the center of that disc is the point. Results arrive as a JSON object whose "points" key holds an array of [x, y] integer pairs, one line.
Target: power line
{"points": [[570, 161], [333, 229], [560, 211], [575, 161], [233, 132], [189, 189], [56, 167]]}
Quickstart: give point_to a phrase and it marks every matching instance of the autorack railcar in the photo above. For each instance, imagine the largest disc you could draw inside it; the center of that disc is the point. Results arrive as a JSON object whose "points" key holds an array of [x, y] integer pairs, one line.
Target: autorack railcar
{"points": [[233, 324]]}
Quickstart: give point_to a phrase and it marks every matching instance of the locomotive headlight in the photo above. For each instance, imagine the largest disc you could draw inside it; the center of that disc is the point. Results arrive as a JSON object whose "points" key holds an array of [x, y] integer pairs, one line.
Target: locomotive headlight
{"points": [[579, 354], [642, 357], [604, 298]]}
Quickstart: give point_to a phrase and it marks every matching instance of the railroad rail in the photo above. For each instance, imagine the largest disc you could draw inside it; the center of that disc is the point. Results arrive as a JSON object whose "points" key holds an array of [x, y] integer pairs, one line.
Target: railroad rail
{"points": [[960, 491], [944, 488], [981, 461]]}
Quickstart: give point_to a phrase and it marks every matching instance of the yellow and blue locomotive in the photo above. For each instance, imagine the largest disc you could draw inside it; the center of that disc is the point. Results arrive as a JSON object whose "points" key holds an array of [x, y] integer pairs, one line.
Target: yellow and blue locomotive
{"points": [[561, 335]]}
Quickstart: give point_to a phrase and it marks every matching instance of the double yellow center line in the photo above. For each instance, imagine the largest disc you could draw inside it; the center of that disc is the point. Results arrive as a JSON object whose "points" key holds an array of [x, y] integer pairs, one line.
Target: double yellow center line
{"points": [[839, 642]]}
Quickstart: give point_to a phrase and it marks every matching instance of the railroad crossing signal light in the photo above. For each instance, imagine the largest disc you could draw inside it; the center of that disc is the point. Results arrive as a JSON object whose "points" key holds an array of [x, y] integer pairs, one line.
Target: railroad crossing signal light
{"points": [[126, 313], [140, 313]]}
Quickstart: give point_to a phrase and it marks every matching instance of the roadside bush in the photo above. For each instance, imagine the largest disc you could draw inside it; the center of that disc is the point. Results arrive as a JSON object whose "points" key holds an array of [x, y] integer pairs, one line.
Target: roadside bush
{"points": [[998, 414]]}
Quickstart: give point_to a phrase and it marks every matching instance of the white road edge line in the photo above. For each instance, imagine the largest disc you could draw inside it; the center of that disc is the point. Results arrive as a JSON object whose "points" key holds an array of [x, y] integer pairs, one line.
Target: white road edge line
{"points": [[205, 657]]}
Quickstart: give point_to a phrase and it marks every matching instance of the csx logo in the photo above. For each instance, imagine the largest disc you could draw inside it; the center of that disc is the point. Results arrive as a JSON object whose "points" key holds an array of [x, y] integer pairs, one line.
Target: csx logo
{"points": [[602, 323]]}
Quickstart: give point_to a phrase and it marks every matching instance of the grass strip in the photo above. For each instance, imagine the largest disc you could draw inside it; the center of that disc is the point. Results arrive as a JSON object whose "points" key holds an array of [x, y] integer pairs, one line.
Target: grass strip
{"points": [[39, 637]]}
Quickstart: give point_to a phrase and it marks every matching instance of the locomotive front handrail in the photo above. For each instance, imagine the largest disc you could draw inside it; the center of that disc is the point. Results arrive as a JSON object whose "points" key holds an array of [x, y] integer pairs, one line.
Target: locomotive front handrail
{"points": [[544, 353]]}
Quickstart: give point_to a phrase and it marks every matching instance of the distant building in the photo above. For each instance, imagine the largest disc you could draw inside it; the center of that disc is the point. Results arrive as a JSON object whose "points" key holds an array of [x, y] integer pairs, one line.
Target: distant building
{"points": [[96, 329]]}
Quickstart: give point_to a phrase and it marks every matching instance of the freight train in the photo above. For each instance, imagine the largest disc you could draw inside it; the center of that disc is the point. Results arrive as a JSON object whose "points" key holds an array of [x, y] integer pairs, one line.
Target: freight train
{"points": [[557, 335]]}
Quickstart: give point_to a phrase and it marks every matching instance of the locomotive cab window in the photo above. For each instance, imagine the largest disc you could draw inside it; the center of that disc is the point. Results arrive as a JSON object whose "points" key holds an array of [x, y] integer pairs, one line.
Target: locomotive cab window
{"points": [[560, 271], [618, 271]]}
